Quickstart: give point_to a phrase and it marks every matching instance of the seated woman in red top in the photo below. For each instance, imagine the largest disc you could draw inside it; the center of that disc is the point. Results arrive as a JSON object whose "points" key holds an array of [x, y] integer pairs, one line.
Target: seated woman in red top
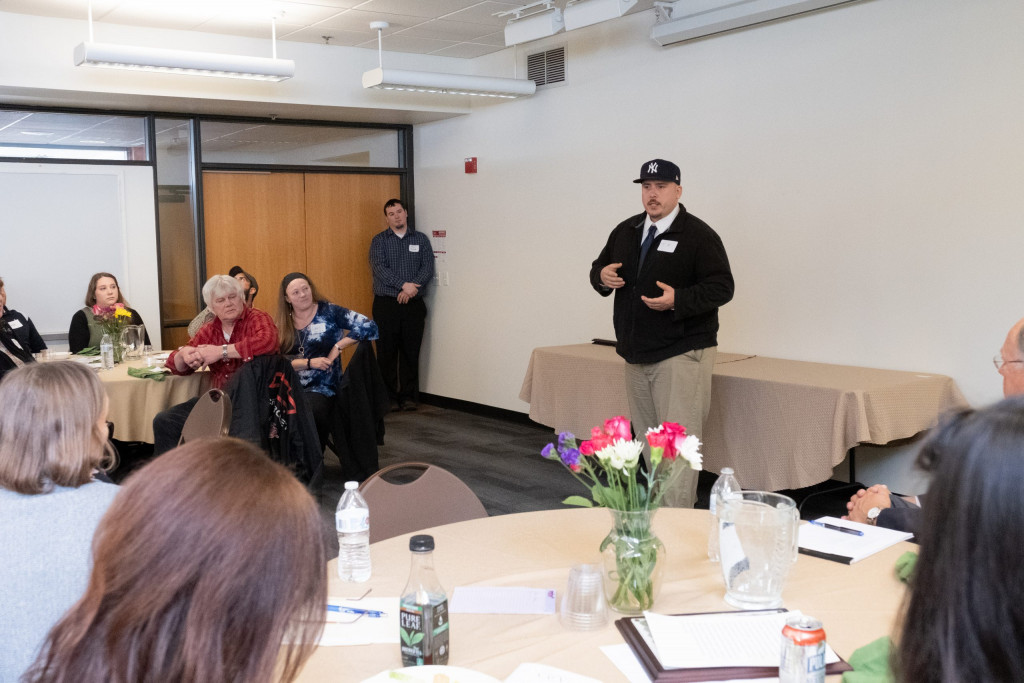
{"points": [[236, 335]]}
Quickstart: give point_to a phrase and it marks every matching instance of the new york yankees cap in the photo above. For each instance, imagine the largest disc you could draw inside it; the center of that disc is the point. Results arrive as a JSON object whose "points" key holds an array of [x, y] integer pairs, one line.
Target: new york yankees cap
{"points": [[659, 169]]}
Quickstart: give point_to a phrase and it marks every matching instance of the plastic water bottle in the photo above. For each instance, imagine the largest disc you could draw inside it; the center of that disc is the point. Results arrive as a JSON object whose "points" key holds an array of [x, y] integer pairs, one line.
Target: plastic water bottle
{"points": [[724, 485], [107, 352], [352, 520]]}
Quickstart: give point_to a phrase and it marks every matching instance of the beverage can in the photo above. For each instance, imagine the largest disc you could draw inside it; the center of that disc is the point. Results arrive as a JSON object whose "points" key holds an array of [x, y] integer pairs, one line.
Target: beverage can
{"points": [[803, 651]]}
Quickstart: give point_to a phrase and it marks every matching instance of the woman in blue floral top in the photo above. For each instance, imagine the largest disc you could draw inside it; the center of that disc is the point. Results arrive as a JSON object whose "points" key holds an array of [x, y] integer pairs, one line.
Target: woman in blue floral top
{"points": [[315, 332]]}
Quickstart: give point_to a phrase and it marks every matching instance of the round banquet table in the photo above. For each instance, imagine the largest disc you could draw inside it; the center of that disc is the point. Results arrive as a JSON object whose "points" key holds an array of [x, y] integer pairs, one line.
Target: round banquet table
{"points": [[135, 402], [857, 603]]}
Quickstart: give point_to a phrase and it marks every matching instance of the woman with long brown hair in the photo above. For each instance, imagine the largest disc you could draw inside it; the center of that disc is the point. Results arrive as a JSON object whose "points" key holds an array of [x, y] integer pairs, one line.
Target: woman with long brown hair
{"points": [[103, 294], [207, 558]]}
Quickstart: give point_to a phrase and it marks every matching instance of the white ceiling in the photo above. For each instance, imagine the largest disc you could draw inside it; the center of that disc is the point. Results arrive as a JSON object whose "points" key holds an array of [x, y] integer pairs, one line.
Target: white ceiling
{"points": [[449, 28]]}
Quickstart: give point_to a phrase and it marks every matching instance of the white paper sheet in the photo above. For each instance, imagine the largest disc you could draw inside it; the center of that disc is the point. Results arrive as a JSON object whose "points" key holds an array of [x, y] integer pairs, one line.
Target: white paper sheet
{"points": [[727, 639], [625, 660], [345, 629], [832, 542], [501, 600]]}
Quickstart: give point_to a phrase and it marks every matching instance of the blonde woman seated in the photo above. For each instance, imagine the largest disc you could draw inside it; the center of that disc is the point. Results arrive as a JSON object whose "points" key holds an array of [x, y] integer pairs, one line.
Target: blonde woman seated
{"points": [[53, 434], [208, 557]]}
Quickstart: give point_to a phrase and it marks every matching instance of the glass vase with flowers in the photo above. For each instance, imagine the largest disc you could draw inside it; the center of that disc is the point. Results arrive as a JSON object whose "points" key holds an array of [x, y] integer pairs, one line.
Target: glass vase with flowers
{"points": [[113, 320], [608, 465]]}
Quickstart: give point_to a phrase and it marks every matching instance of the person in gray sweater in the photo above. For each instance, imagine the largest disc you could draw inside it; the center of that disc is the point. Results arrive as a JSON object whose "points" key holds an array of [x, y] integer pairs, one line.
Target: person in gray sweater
{"points": [[53, 437]]}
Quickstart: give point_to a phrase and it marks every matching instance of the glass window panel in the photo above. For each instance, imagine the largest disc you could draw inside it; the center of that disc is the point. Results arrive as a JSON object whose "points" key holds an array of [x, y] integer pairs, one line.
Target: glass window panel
{"points": [[292, 145], [179, 286], [50, 135]]}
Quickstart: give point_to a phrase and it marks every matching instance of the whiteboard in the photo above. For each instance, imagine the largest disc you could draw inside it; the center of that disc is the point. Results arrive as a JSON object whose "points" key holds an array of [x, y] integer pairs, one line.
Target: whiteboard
{"points": [[62, 223]]}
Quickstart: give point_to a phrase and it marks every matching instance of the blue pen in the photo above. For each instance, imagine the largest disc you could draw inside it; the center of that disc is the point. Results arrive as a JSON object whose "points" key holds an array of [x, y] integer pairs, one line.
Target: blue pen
{"points": [[834, 527], [373, 613]]}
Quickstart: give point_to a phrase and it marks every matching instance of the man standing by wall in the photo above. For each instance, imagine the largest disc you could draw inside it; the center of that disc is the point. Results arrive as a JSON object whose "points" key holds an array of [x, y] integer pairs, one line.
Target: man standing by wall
{"points": [[670, 274], [402, 262]]}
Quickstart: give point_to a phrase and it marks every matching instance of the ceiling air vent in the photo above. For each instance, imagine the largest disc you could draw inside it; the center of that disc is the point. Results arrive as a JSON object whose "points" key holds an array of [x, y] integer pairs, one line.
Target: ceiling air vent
{"points": [[545, 68]]}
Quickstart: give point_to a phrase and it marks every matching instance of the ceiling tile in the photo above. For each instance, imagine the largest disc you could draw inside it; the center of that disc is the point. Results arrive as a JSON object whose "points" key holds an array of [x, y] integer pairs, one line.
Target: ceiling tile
{"points": [[420, 8], [443, 29], [483, 13], [496, 39], [246, 27], [358, 20], [316, 34], [69, 9]]}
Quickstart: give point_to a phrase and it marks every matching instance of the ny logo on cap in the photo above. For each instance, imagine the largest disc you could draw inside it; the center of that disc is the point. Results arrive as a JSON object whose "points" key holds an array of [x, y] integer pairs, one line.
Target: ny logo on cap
{"points": [[652, 167]]}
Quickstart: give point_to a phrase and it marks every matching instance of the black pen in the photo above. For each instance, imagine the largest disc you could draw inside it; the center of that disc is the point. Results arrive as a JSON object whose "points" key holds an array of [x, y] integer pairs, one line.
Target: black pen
{"points": [[834, 527]]}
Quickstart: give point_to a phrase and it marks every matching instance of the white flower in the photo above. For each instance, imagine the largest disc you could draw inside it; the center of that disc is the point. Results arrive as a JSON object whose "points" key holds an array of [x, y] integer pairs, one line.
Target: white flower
{"points": [[621, 455], [689, 451]]}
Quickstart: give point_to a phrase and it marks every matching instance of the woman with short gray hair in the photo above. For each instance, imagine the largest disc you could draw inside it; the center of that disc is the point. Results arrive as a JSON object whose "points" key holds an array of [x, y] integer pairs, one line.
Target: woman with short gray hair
{"points": [[235, 336]]}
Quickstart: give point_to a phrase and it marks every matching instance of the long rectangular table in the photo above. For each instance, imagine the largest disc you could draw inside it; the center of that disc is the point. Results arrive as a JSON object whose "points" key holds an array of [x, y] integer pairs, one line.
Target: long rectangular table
{"points": [[781, 424], [857, 603]]}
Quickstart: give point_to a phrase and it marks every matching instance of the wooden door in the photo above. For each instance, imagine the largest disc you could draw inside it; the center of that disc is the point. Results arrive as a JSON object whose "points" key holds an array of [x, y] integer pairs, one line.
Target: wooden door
{"points": [[256, 221], [343, 213], [319, 223]]}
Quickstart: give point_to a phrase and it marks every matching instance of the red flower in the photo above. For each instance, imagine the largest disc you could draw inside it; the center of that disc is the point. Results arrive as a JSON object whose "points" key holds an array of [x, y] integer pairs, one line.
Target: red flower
{"points": [[618, 428], [587, 448]]}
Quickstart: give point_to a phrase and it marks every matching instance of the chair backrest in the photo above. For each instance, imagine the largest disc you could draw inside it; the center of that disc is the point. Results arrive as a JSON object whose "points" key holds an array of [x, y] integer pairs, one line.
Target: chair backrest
{"points": [[210, 416], [435, 497]]}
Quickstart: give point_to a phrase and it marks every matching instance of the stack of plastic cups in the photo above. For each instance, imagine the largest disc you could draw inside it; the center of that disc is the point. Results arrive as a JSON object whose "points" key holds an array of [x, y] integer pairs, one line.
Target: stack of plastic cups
{"points": [[583, 606]]}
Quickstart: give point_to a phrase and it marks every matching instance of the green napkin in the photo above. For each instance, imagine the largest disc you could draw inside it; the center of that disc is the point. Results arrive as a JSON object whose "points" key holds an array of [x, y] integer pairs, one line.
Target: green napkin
{"points": [[147, 373], [905, 565], [89, 351], [870, 663]]}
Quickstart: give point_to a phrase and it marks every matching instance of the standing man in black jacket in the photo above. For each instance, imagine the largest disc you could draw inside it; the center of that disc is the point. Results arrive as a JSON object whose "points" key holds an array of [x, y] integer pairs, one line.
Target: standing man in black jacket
{"points": [[670, 273]]}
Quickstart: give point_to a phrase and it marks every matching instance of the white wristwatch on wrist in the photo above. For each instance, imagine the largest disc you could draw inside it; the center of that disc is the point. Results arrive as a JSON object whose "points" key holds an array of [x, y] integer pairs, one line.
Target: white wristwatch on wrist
{"points": [[873, 515]]}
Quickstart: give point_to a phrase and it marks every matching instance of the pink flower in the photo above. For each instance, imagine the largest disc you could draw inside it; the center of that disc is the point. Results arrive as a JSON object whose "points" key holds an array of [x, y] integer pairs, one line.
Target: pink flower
{"points": [[587, 448], [618, 428]]}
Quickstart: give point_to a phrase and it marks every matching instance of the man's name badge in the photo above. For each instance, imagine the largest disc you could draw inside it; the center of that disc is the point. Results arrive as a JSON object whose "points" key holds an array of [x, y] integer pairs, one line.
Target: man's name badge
{"points": [[414, 248], [667, 245]]}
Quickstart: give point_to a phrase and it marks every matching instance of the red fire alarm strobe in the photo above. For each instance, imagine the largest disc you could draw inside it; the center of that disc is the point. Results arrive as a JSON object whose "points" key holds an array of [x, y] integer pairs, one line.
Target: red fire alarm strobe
{"points": [[470, 164]]}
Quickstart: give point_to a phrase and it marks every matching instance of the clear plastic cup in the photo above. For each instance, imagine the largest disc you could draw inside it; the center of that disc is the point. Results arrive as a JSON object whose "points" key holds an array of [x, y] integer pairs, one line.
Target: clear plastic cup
{"points": [[583, 606]]}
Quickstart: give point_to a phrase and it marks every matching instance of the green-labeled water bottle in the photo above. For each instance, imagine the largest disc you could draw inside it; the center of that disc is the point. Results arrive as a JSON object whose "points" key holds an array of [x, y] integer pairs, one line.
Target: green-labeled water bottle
{"points": [[423, 618]]}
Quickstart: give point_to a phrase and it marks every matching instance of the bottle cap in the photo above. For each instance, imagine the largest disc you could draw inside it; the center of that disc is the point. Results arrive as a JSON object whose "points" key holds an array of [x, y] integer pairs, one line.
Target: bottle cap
{"points": [[421, 543], [728, 470], [351, 485]]}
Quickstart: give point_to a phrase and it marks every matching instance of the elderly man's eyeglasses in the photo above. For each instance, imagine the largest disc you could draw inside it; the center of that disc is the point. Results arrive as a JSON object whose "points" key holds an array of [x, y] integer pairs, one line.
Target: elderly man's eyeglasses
{"points": [[999, 362]]}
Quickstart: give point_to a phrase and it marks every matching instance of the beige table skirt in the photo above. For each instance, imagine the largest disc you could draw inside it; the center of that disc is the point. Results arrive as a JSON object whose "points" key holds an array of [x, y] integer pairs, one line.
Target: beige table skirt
{"points": [[780, 424], [857, 603], [134, 402]]}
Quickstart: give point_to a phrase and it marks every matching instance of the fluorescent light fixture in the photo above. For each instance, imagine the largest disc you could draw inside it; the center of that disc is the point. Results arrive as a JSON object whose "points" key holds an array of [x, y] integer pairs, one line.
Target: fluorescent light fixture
{"points": [[677, 22], [450, 84], [437, 82], [580, 13], [133, 57], [522, 28]]}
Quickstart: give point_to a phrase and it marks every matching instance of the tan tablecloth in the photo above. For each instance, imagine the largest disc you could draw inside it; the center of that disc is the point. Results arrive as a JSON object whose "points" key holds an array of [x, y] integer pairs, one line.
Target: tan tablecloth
{"points": [[780, 424], [857, 603], [134, 402]]}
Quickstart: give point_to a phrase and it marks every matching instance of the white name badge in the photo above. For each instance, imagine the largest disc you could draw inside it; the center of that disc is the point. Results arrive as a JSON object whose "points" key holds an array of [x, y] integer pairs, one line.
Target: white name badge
{"points": [[318, 328], [14, 323], [414, 248], [667, 245]]}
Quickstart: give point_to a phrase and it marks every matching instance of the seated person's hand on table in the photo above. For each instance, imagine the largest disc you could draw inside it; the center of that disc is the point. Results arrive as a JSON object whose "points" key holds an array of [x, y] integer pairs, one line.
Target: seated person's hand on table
{"points": [[876, 496], [188, 357], [211, 353]]}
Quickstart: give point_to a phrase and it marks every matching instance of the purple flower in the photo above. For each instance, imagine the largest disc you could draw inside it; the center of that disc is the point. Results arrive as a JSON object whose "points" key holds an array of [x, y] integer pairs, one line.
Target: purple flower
{"points": [[548, 451], [564, 438], [571, 458]]}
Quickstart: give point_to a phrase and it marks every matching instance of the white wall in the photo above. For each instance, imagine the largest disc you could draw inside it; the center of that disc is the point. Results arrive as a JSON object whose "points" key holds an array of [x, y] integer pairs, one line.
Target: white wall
{"points": [[861, 164], [64, 222]]}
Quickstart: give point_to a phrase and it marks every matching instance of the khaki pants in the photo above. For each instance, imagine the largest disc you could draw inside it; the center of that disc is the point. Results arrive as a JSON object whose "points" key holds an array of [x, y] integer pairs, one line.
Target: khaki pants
{"points": [[677, 389]]}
